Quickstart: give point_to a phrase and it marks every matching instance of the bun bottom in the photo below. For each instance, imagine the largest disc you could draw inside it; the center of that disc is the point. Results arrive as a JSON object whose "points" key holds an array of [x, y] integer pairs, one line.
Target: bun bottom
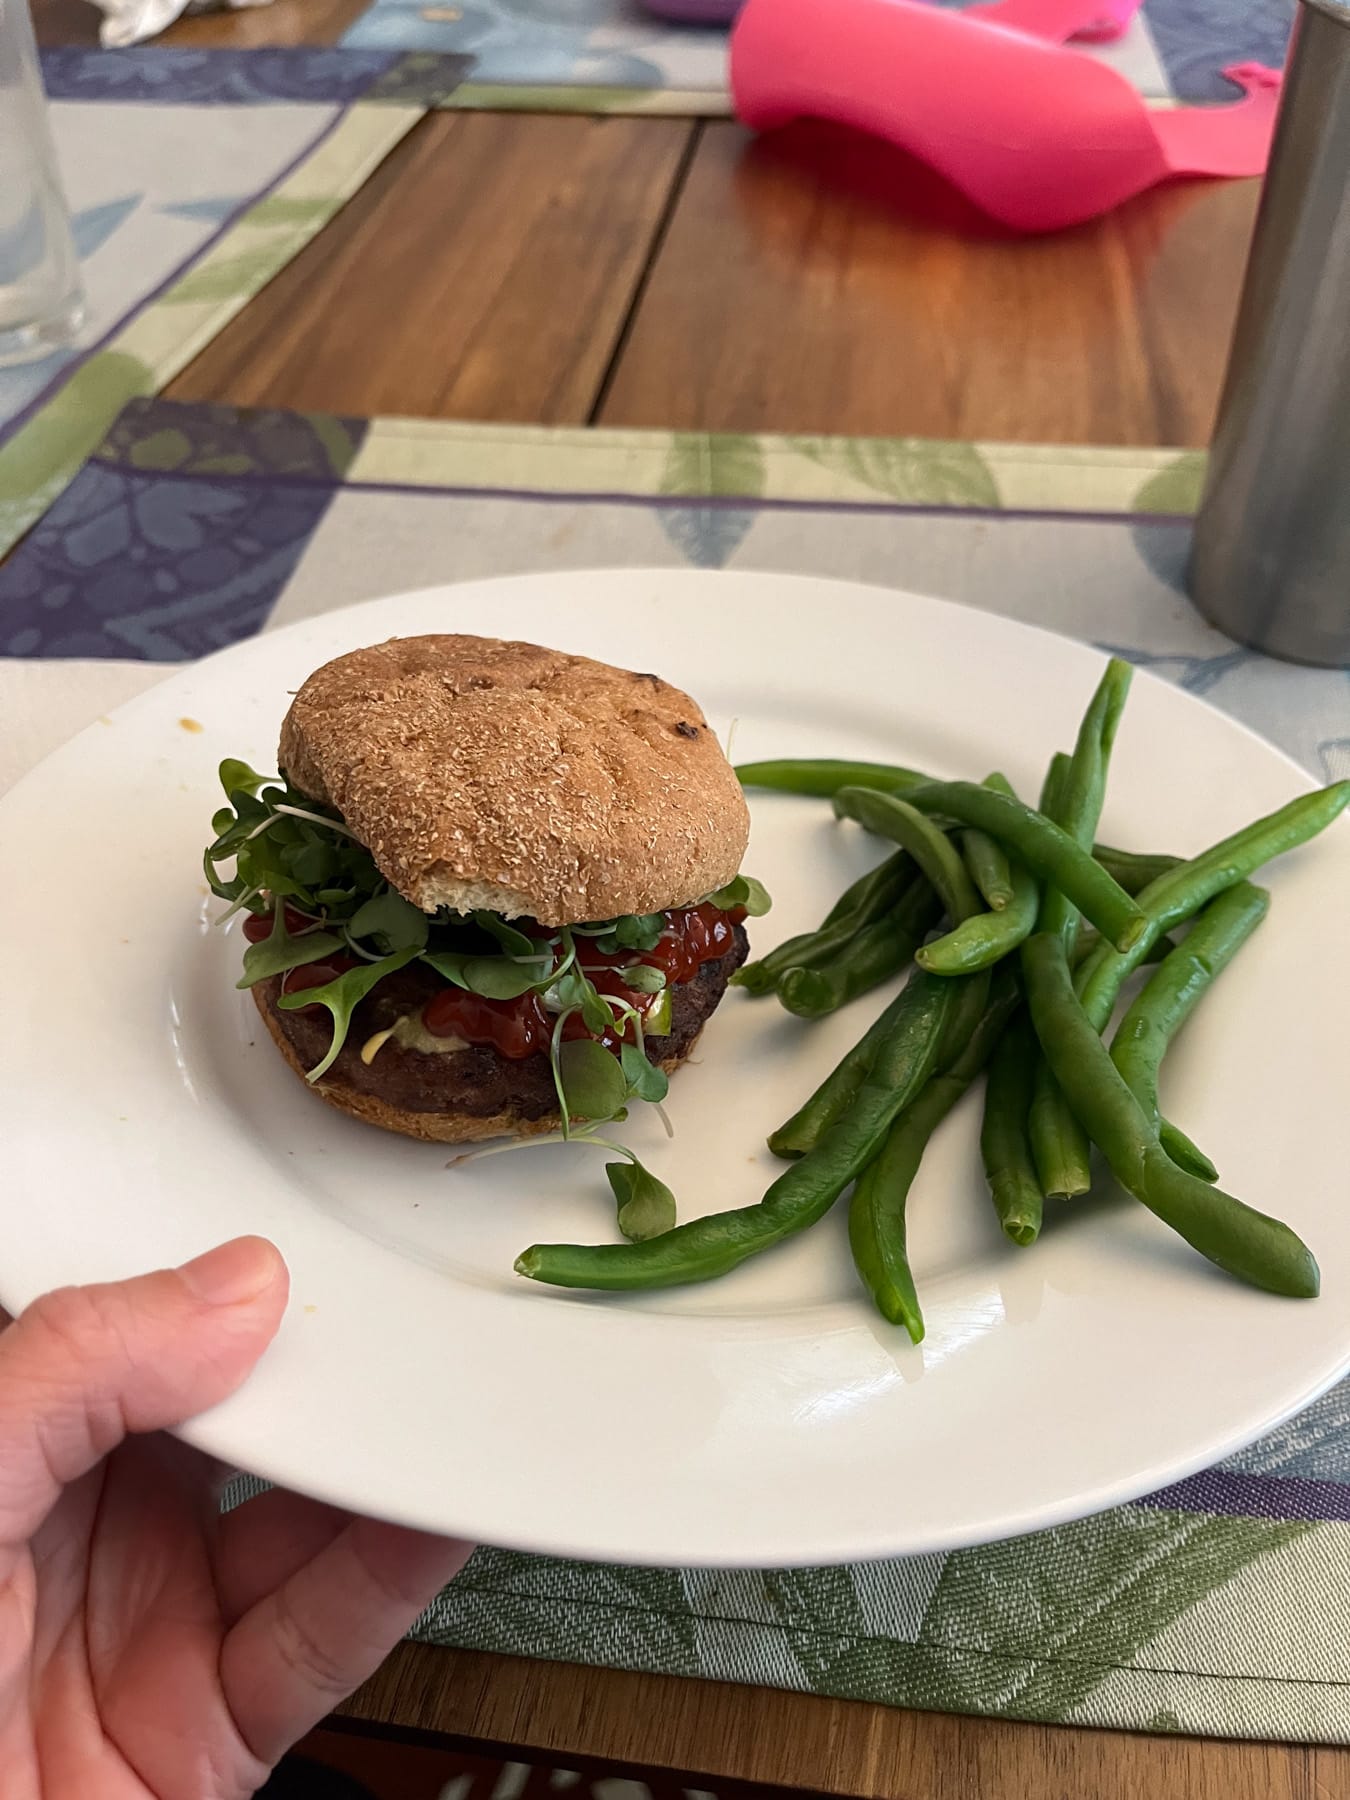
{"points": [[449, 1127]]}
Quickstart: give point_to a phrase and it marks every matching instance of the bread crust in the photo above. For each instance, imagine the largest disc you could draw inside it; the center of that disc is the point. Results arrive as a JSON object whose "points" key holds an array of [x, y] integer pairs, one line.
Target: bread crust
{"points": [[486, 773]]}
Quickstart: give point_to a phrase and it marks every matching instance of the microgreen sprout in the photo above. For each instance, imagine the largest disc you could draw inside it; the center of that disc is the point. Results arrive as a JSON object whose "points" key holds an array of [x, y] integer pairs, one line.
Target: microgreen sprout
{"points": [[294, 858]]}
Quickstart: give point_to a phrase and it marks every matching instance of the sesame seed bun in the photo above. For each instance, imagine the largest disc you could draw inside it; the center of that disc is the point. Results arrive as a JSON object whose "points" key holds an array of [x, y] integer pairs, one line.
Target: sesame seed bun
{"points": [[482, 773]]}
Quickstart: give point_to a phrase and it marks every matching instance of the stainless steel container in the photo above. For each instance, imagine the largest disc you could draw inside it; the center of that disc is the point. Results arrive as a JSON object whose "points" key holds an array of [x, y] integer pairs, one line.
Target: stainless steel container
{"points": [[1271, 559]]}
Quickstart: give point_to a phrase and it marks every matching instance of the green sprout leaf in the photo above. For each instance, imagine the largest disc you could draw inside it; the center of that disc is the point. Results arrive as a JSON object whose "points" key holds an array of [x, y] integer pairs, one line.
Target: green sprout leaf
{"points": [[514, 942], [498, 978], [646, 1205], [645, 1080], [312, 861], [635, 931], [494, 977], [593, 1083], [744, 891], [574, 992], [394, 923], [237, 777], [449, 964], [280, 952], [230, 890], [342, 996], [643, 978]]}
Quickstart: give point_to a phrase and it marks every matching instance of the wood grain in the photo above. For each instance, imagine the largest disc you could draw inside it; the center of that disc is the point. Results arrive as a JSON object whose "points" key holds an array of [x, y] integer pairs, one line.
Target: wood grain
{"points": [[841, 1747], [484, 272], [283, 22], [815, 282]]}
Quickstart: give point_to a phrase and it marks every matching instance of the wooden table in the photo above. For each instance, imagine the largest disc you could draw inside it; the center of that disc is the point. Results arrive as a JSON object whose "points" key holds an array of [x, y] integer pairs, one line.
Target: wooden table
{"points": [[676, 273]]}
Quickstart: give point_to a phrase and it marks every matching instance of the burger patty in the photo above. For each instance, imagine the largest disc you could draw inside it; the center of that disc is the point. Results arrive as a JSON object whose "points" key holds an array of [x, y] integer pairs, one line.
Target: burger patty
{"points": [[476, 1081]]}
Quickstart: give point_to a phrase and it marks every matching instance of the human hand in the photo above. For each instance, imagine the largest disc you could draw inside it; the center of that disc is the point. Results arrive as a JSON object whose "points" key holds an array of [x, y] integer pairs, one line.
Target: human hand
{"points": [[151, 1648]]}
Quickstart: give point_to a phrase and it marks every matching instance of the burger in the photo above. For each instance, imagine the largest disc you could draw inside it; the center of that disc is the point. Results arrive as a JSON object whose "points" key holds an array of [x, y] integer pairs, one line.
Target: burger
{"points": [[495, 889]]}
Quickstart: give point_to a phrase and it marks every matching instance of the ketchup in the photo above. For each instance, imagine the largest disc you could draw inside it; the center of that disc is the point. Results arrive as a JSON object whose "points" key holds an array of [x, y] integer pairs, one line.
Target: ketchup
{"points": [[258, 926], [513, 1028], [518, 1028], [605, 980], [693, 936], [522, 1027]]}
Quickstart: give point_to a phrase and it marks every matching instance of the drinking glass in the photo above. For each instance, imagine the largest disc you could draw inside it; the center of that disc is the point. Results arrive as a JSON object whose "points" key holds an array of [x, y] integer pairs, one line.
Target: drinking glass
{"points": [[41, 305]]}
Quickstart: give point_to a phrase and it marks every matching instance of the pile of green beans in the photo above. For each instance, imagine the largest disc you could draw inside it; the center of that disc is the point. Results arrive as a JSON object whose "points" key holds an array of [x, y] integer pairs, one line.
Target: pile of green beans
{"points": [[1075, 791], [1024, 929]]}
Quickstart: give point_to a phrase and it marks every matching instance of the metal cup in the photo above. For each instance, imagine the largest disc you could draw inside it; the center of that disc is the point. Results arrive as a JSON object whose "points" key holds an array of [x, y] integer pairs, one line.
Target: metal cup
{"points": [[1271, 558]]}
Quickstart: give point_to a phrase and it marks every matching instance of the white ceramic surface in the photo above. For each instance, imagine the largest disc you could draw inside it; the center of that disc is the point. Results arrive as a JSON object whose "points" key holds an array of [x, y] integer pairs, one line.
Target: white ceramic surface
{"points": [[768, 1418]]}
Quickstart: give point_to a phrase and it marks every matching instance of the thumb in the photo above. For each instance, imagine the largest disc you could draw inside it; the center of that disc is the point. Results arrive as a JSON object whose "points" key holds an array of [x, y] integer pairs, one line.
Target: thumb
{"points": [[83, 1366]]}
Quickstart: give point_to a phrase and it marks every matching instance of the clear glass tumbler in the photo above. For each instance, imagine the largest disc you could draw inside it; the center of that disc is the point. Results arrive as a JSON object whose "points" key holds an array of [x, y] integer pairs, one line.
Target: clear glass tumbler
{"points": [[41, 305]]}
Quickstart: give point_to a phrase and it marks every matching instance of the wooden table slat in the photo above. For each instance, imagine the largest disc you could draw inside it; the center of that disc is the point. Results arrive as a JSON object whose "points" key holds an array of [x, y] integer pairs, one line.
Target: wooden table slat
{"points": [[283, 23], [485, 271], [785, 298], [719, 1730]]}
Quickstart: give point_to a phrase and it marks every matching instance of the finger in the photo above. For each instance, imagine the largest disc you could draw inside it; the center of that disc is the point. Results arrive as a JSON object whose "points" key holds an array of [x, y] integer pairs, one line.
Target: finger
{"points": [[306, 1646], [83, 1366], [262, 1543]]}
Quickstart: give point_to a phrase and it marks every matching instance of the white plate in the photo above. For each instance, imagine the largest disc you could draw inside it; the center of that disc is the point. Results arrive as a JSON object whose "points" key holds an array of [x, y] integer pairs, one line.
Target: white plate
{"points": [[768, 1418]]}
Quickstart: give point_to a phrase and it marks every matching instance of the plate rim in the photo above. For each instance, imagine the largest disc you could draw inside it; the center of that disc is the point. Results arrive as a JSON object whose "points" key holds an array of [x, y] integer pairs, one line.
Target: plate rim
{"points": [[209, 1435]]}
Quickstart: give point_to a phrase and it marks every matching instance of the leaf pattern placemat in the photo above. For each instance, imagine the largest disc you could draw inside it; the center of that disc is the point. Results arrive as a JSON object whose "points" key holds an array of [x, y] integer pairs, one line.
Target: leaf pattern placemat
{"points": [[614, 55], [193, 177], [1221, 1605]]}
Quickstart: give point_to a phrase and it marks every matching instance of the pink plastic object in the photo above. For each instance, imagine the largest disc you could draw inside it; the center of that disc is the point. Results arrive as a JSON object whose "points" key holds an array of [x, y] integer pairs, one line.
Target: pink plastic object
{"points": [[1042, 18], [1037, 135], [1090, 21]]}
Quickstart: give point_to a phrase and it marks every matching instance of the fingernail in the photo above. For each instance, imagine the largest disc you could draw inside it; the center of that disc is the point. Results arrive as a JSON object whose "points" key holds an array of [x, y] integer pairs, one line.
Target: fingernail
{"points": [[233, 1272]]}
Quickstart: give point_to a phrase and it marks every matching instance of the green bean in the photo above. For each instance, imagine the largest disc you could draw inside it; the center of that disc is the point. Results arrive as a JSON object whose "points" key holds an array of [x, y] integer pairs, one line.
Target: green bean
{"points": [[937, 857], [1185, 1154], [1170, 996], [832, 1099], [872, 955], [1246, 1243], [1005, 1148], [1182, 891], [904, 1057], [873, 893], [890, 816], [1088, 941], [987, 864], [1046, 849], [985, 938], [1077, 799], [1053, 788], [865, 900], [876, 1216], [981, 941], [1059, 1145], [1056, 774], [1132, 871], [1178, 1146], [986, 859], [824, 775], [1058, 1142]]}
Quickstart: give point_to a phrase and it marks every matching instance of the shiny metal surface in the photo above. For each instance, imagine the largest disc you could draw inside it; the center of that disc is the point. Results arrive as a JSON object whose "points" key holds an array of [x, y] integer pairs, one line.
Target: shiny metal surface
{"points": [[1271, 561]]}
